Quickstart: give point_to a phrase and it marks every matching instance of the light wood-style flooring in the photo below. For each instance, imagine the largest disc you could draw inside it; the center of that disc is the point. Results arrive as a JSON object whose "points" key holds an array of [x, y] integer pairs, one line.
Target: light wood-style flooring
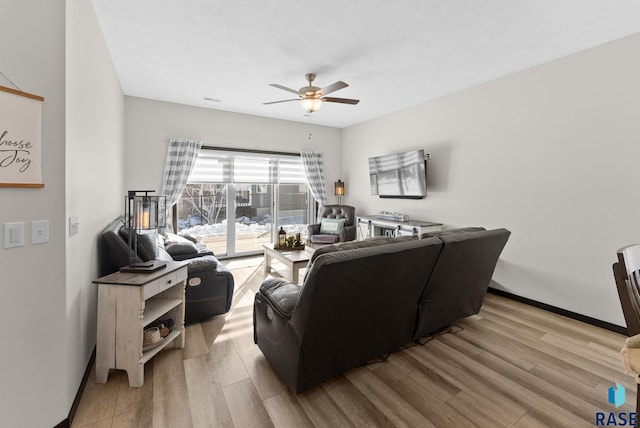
{"points": [[511, 365]]}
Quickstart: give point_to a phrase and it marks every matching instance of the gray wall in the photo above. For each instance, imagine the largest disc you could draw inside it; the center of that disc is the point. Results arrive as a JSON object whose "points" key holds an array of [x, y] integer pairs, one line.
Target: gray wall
{"points": [[550, 153], [32, 279], [48, 307], [149, 124], [94, 173]]}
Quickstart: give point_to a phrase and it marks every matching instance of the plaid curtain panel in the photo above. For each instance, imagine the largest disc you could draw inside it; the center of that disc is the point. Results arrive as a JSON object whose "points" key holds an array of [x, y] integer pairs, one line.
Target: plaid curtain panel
{"points": [[314, 169], [181, 156]]}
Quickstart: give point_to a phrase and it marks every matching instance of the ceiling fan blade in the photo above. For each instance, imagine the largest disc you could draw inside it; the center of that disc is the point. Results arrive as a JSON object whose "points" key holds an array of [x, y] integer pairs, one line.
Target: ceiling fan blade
{"points": [[333, 87], [284, 88], [281, 101], [341, 100]]}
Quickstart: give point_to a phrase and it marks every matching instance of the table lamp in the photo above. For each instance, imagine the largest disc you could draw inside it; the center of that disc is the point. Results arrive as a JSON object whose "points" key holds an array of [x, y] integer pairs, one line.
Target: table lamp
{"points": [[143, 216]]}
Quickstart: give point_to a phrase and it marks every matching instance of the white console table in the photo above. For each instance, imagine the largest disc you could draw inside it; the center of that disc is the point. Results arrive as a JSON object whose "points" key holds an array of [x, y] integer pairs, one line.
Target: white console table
{"points": [[127, 303], [370, 226]]}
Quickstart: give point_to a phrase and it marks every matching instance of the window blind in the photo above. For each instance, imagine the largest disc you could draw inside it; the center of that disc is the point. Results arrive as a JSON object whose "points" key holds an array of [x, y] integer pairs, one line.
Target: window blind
{"points": [[221, 166]]}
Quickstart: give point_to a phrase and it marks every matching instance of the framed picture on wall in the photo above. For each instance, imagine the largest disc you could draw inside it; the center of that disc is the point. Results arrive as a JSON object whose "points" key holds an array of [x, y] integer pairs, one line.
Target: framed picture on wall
{"points": [[20, 139]]}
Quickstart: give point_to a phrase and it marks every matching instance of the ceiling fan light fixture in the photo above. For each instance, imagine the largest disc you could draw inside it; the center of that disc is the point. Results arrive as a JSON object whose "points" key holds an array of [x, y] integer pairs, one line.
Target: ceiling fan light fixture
{"points": [[310, 104]]}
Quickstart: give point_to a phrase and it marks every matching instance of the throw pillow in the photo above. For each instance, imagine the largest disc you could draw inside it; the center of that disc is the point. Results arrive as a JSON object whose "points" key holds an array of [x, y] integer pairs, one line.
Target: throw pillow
{"points": [[331, 226]]}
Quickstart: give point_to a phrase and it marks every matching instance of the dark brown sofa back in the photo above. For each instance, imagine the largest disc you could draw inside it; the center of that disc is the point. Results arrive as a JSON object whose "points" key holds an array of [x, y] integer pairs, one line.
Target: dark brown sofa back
{"points": [[460, 278]]}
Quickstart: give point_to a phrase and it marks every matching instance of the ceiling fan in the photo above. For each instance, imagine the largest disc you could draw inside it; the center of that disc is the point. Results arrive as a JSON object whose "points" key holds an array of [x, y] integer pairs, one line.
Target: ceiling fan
{"points": [[311, 97]]}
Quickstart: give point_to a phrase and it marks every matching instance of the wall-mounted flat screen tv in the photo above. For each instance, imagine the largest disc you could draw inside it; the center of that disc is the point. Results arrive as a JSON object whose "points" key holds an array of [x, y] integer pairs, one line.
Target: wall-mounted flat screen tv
{"points": [[400, 175]]}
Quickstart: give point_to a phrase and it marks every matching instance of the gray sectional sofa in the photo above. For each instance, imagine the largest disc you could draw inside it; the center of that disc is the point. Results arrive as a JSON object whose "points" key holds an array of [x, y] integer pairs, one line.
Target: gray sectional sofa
{"points": [[366, 298]]}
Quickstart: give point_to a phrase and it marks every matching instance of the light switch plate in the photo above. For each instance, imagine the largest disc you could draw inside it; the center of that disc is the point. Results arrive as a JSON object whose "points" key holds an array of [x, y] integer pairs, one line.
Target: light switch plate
{"points": [[39, 231], [73, 225], [13, 235]]}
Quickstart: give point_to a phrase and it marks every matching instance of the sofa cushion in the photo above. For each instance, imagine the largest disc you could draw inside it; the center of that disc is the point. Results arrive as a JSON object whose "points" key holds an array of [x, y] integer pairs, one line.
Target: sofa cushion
{"points": [[147, 244], [450, 232], [325, 239], [181, 248], [283, 295], [331, 226], [352, 245]]}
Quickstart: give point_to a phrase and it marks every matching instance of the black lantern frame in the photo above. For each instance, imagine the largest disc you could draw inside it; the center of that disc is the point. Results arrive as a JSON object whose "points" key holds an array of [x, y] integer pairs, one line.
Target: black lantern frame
{"points": [[144, 214], [339, 190]]}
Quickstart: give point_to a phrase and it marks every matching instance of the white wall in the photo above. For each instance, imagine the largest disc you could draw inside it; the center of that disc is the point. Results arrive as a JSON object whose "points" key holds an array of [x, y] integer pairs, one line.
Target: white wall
{"points": [[550, 153], [149, 123], [94, 174], [33, 366]]}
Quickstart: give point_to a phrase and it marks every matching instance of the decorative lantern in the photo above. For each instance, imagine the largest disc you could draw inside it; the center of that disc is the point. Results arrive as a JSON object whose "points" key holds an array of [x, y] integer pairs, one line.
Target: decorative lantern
{"points": [[282, 238], [144, 214], [339, 190]]}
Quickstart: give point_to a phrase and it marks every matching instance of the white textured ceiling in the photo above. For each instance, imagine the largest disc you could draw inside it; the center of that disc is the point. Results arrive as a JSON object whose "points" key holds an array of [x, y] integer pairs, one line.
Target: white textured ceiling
{"points": [[393, 54]]}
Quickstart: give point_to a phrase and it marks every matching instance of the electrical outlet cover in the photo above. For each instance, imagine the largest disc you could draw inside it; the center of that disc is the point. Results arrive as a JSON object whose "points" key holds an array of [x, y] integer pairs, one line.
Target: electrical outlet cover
{"points": [[39, 231]]}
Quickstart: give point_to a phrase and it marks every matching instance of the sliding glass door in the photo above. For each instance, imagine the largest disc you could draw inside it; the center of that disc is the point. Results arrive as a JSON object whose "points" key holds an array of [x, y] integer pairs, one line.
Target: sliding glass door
{"points": [[236, 202]]}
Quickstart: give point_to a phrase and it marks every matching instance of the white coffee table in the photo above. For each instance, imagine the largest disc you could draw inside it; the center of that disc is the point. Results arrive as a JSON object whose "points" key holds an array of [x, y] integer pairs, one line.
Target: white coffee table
{"points": [[293, 260]]}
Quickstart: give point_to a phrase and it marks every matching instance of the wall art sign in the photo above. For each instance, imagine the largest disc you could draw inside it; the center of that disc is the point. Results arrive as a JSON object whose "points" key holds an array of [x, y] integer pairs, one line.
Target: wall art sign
{"points": [[20, 139]]}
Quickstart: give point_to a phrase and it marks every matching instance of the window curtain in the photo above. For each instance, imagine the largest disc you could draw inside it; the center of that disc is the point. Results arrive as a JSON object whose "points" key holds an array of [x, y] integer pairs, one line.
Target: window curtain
{"points": [[314, 170], [181, 157]]}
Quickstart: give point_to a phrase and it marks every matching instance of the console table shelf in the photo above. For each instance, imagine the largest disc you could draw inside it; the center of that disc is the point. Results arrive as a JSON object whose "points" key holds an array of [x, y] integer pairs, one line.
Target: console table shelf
{"points": [[154, 308], [147, 355]]}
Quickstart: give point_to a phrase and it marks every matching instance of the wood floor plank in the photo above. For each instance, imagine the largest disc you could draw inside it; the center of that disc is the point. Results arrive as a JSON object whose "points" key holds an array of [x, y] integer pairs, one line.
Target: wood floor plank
{"points": [[539, 387], [595, 357], [536, 349], [104, 423], [490, 397], [512, 326], [495, 343], [322, 410], [134, 419], [98, 400], [211, 328], [245, 406], [206, 399], [360, 411], [479, 415], [571, 330], [264, 378], [407, 366], [544, 409], [134, 406], [285, 411], [170, 395], [399, 412], [225, 364], [431, 406], [195, 343], [585, 393]]}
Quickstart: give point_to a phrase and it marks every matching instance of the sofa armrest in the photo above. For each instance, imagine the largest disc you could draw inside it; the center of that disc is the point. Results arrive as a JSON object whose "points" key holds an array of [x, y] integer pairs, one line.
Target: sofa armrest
{"points": [[281, 295], [348, 233], [202, 264], [181, 249], [313, 229]]}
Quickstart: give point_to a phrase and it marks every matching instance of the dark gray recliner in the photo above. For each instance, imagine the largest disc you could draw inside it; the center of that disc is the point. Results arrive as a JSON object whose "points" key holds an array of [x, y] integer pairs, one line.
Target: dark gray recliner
{"points": [[354, 305], [210, 285], [461, 276]]}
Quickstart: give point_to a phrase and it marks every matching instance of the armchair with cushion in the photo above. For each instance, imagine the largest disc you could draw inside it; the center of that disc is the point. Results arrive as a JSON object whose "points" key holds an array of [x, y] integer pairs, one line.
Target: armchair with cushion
{"points": [[209, 284], [336, 223]]}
